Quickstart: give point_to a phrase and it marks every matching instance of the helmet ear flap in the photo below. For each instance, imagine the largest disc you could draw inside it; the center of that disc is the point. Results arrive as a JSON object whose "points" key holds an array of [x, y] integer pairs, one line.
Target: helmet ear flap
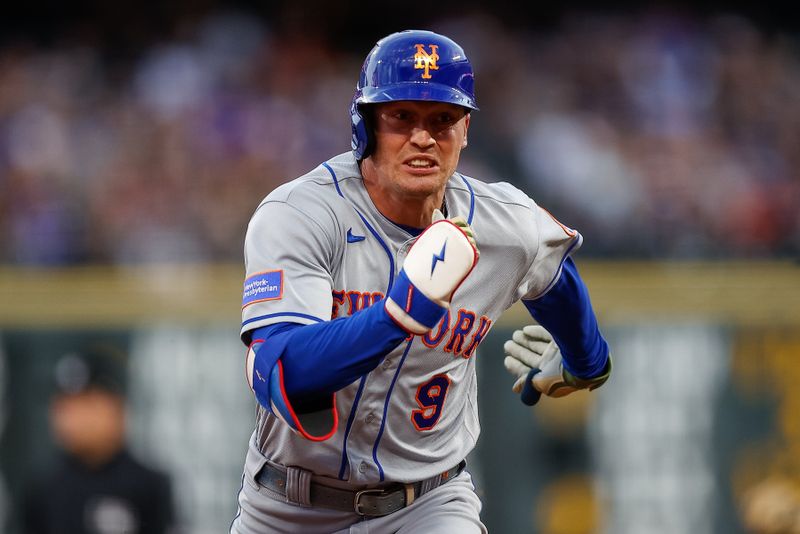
{"points": [[363, 141]]}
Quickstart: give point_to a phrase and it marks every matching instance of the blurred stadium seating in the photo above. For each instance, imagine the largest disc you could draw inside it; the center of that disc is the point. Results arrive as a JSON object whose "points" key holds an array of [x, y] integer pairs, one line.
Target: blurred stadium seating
{"points": [[657, 134]]}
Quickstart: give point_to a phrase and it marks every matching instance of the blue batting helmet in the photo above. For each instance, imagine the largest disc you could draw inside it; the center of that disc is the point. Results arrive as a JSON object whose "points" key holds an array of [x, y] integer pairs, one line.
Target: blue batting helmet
{"points": [[410, 65]]}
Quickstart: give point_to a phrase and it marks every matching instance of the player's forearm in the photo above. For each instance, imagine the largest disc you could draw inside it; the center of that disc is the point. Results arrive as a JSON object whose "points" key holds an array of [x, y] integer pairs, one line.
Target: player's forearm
{"points": [[325, 357], [566, 312]]}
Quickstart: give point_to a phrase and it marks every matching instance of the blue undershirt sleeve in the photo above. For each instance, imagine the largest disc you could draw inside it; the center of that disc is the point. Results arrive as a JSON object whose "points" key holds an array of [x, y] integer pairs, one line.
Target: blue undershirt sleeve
{"points": [[319, 359], [566, 312]]}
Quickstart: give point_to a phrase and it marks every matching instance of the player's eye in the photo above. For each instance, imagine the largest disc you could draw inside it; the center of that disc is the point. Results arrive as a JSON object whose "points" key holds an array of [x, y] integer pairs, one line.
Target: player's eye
{"points": [[397, 118], [401, 115], [446, 119]]}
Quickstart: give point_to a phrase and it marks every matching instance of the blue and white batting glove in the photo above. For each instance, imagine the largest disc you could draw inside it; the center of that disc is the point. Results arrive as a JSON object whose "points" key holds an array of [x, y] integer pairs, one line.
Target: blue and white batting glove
{"points": [[438, 262], [534, 358]]}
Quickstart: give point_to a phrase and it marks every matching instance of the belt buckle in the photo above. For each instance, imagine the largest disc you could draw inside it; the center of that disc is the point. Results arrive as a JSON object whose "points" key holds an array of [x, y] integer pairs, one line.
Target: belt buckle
{"points": [[357, 499]]}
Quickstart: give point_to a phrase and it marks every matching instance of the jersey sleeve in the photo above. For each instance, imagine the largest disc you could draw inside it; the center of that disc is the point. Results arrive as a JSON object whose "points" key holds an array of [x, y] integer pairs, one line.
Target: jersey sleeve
{"points": [[566, 312], [288, 254], [554, 242]]}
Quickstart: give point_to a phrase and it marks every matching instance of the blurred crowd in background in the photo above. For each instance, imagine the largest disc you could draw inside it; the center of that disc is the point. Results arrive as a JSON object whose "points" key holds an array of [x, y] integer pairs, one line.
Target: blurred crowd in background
{"points": [[656, 134], [659, 133]]}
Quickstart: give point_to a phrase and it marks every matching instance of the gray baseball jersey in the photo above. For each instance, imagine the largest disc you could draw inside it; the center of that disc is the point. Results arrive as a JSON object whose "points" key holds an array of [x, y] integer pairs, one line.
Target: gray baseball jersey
{"points": [[317, 248]]}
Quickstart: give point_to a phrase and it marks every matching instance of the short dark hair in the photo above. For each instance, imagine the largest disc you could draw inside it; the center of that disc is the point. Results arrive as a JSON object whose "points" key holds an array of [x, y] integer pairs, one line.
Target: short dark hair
{"points": [[95, 365]]}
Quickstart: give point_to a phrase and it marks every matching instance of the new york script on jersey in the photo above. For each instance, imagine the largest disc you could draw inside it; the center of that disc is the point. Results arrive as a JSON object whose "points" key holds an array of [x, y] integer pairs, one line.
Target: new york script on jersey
{"points": [[460, 330]]}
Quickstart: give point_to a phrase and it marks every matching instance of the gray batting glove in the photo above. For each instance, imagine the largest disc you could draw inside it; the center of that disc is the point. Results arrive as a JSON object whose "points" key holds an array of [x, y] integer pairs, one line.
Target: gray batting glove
{"points": [[535, 359]]}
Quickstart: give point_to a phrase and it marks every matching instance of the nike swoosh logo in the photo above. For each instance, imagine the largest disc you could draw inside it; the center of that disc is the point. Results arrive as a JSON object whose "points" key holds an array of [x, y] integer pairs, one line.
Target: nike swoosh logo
{"points": [[354, 238]]}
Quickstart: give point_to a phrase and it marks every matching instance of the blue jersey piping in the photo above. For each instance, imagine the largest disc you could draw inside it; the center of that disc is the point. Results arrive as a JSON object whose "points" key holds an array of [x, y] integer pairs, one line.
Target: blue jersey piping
{"points": [[335, 181], [386, 408], [471, 199], [354, 407], [282, 314], [350, 419]]}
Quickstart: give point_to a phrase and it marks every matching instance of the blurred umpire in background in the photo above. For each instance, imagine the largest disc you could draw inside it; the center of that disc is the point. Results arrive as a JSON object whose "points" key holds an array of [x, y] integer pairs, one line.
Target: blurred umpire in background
{"points": [[95, 486]]}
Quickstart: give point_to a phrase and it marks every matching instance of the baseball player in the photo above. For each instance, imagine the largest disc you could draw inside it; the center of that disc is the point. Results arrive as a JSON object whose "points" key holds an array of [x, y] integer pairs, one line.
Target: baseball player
{"points": [[370, 283]]}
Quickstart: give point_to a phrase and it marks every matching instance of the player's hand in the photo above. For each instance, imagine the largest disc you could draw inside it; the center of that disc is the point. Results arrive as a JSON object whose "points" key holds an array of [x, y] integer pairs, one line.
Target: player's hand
{"points": [[440, 259], [534, 358], [462, 223]]}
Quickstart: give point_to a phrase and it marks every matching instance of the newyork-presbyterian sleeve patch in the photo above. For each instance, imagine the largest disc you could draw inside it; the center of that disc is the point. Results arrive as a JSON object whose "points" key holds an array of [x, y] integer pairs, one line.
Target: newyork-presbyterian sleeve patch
{"points": [[267, 285]]}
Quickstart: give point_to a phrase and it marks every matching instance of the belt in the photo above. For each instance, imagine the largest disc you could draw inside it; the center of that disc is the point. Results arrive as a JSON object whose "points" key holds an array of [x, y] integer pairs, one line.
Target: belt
{"points": [[371, 502]]}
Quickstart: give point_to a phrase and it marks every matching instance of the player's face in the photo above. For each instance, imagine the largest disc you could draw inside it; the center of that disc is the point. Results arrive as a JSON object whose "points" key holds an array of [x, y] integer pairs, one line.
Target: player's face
{"points": [[418, 145]]}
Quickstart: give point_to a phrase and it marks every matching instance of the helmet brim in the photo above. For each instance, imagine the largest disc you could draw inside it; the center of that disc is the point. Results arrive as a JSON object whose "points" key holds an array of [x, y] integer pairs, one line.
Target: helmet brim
{"points": [[420, 92]]}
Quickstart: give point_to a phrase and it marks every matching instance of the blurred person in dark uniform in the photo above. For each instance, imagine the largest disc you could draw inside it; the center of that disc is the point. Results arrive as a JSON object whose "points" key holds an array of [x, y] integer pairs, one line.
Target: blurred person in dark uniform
{"points": [[95, 486]]}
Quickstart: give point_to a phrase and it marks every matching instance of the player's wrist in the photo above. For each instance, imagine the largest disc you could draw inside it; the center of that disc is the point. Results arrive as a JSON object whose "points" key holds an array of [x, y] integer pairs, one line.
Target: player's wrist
{"points": [[410, 308], [589, 382]]}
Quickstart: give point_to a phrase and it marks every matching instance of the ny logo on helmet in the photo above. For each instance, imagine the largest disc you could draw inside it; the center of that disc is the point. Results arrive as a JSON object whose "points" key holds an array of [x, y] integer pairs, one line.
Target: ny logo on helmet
{"points": [[425, 61]]}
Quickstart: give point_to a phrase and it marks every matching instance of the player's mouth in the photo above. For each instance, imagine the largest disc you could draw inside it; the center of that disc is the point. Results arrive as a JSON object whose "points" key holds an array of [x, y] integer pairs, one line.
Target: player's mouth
{"points": [[420, 165]]}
